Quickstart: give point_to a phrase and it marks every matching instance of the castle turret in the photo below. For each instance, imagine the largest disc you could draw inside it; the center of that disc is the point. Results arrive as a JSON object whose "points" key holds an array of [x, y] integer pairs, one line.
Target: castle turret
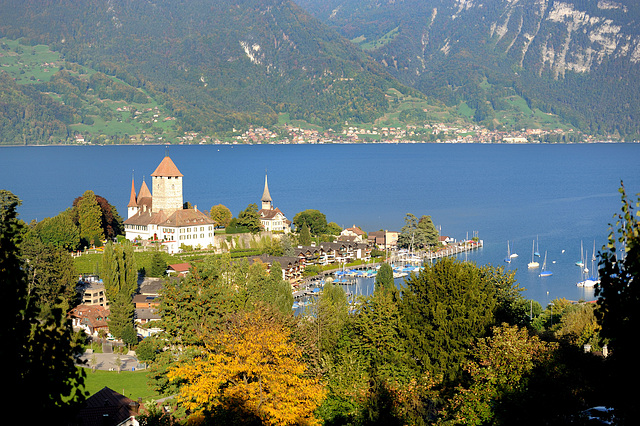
{"points": [[167, 187], [132, 207]]}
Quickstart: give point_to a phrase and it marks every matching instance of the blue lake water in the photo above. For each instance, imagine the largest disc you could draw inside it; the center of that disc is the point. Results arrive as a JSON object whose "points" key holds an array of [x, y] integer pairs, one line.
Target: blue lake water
{"points": [[563, 195]]}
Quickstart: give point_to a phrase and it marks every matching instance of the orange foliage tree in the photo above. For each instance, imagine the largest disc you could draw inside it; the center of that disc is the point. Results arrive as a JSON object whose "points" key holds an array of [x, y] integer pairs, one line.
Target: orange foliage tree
{"points": [[252, 371]]}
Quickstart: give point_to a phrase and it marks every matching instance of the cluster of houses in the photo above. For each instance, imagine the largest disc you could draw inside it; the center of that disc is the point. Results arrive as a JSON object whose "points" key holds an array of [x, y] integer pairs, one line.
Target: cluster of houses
{"points": [[353, 244], [160, 216]]}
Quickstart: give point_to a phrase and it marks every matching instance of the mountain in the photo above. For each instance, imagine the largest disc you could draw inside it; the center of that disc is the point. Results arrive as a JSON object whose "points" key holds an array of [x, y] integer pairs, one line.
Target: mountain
{"points": [[578, 59], [213, 65]]}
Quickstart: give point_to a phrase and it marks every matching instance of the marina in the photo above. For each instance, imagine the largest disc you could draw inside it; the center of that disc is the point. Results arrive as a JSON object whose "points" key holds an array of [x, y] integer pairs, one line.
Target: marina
{"points": [[359, 280]]}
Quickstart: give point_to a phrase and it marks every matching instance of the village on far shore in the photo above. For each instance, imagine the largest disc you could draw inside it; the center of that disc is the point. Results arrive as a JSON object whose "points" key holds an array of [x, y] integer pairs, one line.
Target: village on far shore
{"points": [[432, 133], [158, 220]]}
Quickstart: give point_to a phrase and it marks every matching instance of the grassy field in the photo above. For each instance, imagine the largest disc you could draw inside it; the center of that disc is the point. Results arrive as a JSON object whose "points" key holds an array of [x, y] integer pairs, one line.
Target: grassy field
{"points": [[132, 384], [35, 64], [369, 45], [90, 263]]}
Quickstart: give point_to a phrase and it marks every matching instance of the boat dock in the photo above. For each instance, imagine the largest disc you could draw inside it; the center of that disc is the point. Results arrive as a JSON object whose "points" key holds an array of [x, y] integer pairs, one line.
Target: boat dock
{"points": [[454, 249]]}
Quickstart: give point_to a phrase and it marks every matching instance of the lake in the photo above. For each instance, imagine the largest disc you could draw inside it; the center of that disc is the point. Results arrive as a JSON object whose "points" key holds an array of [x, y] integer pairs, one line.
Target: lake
{"points": [[564, 196]]}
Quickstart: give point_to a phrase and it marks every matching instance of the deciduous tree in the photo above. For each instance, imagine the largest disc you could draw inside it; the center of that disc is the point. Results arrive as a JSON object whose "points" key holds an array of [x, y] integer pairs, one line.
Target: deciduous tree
{"points": [[221, 215], [90, 219], [314, 219], [499, 366], [252, 370], [250, 219], [59, 231], [618, 310]]}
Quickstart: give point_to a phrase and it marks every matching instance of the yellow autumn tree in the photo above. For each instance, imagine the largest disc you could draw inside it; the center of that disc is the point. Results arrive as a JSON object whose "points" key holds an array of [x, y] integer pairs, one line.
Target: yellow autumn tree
{"points": [[252, 371]]}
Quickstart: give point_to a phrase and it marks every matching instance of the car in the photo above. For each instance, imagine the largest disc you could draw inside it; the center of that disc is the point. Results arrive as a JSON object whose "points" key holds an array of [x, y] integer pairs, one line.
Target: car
{"points": [[599, 415]]}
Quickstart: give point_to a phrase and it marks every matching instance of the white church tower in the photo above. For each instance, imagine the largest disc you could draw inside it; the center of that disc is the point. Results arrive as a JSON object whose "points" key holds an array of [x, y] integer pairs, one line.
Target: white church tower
{"points": [[267, 202]]}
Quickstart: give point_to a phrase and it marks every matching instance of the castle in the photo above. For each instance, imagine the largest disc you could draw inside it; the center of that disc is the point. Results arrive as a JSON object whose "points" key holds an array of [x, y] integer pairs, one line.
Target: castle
{"points": [[161, 216]]}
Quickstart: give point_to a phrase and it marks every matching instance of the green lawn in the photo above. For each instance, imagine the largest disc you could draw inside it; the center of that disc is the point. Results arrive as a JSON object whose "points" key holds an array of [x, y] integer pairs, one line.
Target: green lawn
{"points": [[132, 384]]}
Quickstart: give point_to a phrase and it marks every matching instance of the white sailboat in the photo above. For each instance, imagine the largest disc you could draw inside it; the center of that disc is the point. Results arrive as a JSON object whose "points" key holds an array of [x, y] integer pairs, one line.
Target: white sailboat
{"points": [[513, 255], [581, 262], [533, 263], [508, 258], [544, 272], [592, 280]]}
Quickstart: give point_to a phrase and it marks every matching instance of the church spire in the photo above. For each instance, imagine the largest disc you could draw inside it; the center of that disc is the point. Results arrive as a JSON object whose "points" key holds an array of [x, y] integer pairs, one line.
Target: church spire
{"points": [[266, 197]]}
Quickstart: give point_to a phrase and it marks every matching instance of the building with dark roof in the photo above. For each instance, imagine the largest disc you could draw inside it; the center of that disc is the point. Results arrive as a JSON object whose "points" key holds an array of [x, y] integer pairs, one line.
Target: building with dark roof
{"points": [[108, 408]]}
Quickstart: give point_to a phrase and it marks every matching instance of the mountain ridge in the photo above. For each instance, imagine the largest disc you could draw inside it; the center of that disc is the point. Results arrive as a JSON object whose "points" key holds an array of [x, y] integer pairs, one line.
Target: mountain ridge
{"points": [[579, 58]]}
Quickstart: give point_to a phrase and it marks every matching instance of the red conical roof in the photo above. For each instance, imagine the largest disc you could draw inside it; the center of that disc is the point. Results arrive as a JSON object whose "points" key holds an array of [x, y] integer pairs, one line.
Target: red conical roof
{"points": [[132, 199], [144, 191], [167, 168]]}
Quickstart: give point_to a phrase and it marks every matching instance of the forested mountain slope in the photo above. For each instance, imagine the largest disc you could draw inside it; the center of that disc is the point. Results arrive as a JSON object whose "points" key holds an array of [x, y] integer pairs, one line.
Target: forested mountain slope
{"points": [[214, 65], [579, 59]]}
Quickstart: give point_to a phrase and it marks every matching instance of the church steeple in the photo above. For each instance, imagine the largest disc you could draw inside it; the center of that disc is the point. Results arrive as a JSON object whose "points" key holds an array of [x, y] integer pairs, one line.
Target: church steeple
{"points": [[267, 202]]}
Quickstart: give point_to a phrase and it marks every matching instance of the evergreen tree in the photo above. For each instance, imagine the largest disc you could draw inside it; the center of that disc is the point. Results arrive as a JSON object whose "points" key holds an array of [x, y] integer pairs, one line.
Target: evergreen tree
{"points": [[158, 265], [51, 274], [305, 236], [120, 279], [38, 348], [445, 308], [384, 278]]}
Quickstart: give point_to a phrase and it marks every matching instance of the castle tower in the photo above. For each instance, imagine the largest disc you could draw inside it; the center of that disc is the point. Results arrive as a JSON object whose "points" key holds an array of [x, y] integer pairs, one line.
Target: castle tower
{"points": [[167, 187], [267, 202]]}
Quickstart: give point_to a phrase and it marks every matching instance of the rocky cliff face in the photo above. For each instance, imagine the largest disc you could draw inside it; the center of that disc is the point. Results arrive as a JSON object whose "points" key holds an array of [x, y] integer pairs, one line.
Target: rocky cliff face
{"points": [[546, 49]]}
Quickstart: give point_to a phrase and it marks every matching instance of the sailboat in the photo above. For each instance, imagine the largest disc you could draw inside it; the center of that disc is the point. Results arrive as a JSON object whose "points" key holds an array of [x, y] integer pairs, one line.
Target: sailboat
{"points": [[581, 262], [508, 258], [593, 279], [537, 252], [544, 272], [513, 255], [533, 263]]}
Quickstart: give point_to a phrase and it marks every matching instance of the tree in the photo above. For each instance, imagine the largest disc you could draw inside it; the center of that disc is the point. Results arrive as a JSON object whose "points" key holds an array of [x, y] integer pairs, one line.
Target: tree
{"points": [[158, 266], [618, 310], [417, 233], [305, 236], [51, 274], [120, 279], [111, 222], [59, 231], [499, 367], [221, 215], [446, 307], [90, 219], [252, 371], [39, 348], [333, 228], [314, 219], [384, 278], [250, 219]]}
